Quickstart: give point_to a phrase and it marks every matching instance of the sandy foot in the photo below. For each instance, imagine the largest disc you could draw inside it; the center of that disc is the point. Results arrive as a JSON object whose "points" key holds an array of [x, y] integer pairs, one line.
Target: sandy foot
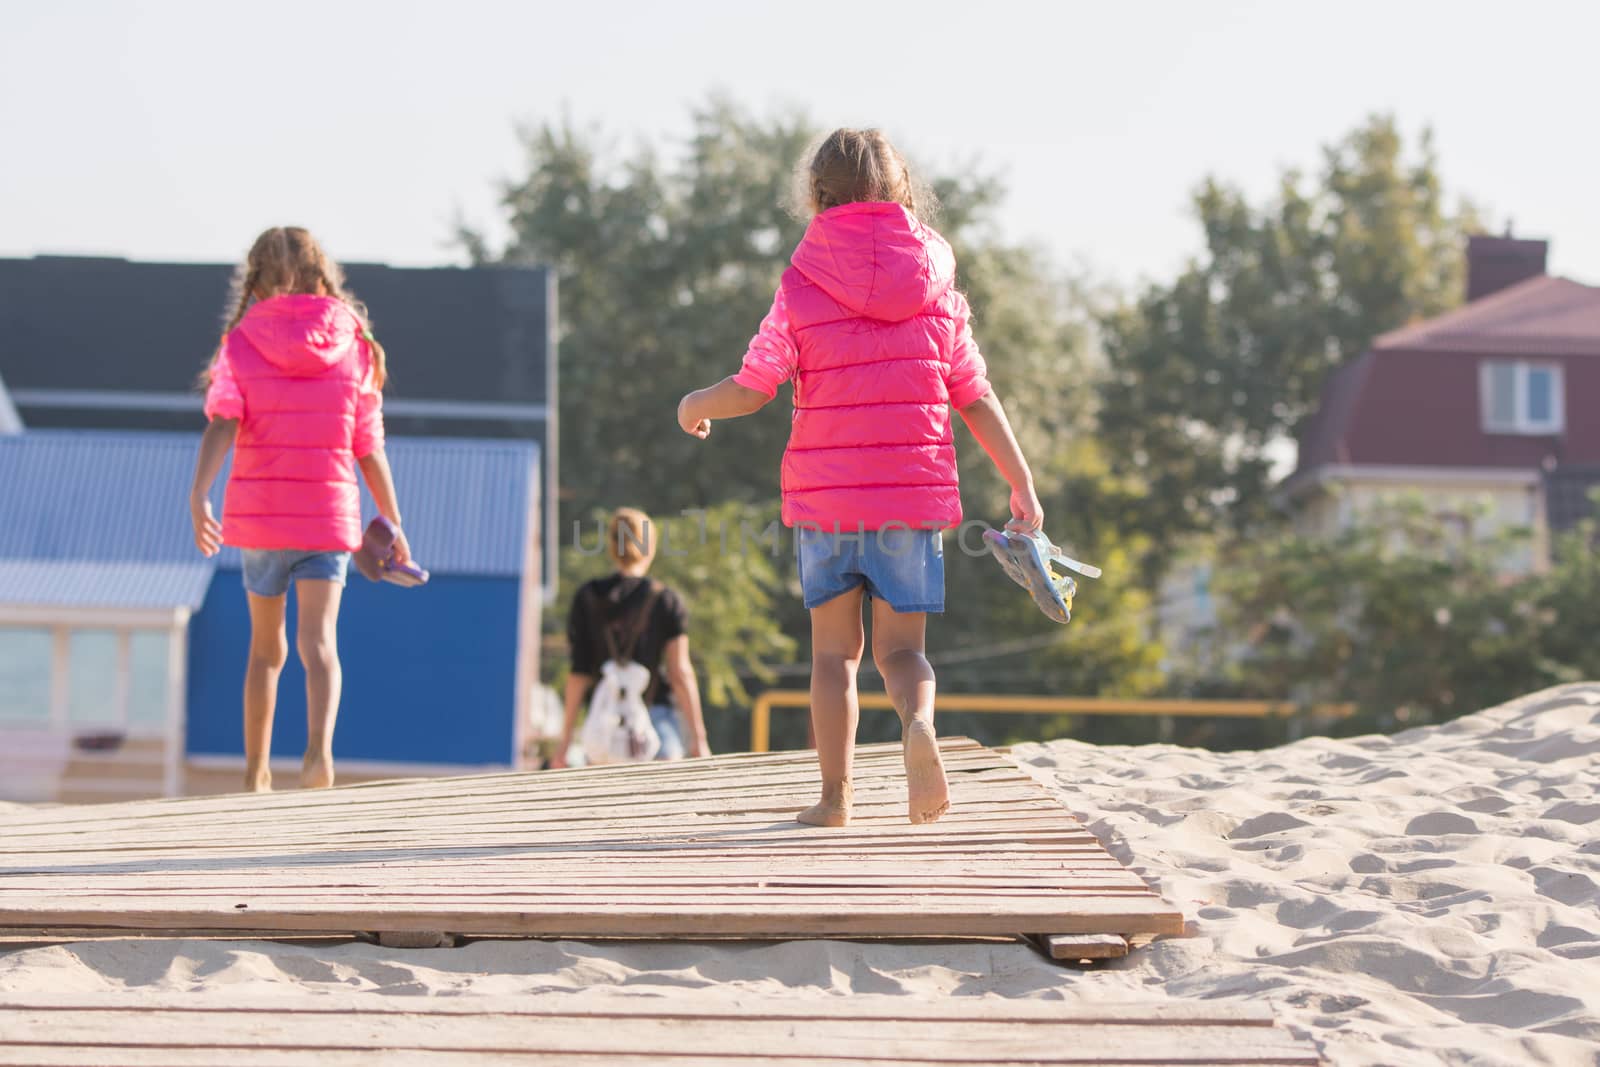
{"points": [[833, 809], [925, 783], [316, 773]]}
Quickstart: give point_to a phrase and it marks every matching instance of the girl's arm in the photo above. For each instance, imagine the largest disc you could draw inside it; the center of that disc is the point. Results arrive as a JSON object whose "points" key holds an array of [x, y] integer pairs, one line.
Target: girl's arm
{"points": [[770, 361], [380, 481], [725, 400], [214, 445], [988, 423], [578, 686], [686, 693]]}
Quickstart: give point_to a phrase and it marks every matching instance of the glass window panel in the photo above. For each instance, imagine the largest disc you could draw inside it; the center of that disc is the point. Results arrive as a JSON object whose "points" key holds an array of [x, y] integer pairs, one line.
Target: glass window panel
{"points": [[25, 662], [1541, 396], [1502, 394], [92, 677], [147, 678]]}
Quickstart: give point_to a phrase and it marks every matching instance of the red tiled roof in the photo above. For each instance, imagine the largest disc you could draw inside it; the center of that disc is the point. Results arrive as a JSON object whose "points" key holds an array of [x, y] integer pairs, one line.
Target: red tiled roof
{"points": [[1542, 316], [1323, 440], [1412, 398]]}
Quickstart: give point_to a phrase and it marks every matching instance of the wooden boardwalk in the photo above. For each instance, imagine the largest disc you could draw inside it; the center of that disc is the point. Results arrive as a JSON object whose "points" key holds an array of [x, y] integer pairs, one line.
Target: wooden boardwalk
{"points": [[682, 1027], [686, 850]]}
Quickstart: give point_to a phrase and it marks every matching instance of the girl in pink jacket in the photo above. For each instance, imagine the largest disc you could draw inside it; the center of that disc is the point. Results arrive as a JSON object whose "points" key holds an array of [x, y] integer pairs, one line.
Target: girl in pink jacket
{"points": [[868, 325], [295, 389]]}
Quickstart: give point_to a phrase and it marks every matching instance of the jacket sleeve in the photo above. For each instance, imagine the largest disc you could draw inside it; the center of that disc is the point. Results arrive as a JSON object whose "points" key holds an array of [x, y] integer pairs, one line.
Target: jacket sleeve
{"points": [[967, 375], [224, 399], [369, 411], [772, 356]]}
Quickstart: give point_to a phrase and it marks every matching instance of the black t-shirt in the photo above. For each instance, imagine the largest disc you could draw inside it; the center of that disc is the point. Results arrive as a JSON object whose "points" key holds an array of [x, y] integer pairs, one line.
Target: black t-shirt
{"points": [[617, 601]]}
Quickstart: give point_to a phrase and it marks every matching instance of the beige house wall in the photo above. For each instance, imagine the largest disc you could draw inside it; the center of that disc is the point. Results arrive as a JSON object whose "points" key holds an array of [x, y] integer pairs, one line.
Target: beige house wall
{"points": [[1482, 505]]}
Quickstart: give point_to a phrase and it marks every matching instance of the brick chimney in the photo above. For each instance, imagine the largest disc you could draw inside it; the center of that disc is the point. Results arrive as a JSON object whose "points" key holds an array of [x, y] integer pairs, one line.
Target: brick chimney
{"points": [[1495, 263]]}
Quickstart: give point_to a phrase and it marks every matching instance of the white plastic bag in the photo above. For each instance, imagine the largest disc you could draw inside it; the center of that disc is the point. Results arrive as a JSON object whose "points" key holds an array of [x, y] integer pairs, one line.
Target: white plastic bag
{"points": [[618, 729]]}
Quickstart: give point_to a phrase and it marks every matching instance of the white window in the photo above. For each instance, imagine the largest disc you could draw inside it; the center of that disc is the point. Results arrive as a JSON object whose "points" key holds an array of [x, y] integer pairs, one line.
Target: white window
{"points": [[85, 677], [1525, 398], [147, 678], [26, 664], [92, 678]]}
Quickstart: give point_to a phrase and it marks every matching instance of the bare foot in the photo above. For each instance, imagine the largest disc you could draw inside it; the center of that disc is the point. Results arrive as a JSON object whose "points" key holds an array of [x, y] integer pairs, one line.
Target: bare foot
{"points": [[925, 784], [258, 781], [833, 809], [316, 772]]}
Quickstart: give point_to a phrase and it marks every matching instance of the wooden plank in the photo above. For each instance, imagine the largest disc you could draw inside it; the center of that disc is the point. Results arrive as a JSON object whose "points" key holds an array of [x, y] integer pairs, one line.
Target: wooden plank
{"points": [[993, 1036], [539, 882], [56, 1056], [711, 1003], [689, 776], [693, 849], [1074, 947], [686, 832]]}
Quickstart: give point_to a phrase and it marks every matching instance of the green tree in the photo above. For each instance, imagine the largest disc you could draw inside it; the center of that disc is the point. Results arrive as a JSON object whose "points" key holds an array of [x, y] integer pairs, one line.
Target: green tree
{"points": [[665, 270], [1210, 375], [1412, 620], [1568, 605]]}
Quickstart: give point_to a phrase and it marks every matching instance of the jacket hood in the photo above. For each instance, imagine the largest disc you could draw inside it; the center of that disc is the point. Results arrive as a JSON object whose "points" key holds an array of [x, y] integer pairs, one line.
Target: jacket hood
{"points": [[301, 335], [876, 259]]}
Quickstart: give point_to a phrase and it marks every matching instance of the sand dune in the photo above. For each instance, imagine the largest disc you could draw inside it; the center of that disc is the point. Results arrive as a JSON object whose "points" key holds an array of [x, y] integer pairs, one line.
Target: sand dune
{"points": [[1419, 899], [1427, 897]]}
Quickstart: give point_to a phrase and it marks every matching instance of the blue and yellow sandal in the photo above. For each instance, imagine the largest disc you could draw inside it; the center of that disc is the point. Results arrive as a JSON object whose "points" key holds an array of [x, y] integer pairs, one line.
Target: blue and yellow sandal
{"points": [[1027, 560]]}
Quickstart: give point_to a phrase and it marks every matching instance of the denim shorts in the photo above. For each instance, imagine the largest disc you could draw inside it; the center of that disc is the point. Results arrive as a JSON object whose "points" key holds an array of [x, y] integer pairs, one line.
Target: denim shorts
{"points": [[268, 572], [902, 567], [664, 717]]}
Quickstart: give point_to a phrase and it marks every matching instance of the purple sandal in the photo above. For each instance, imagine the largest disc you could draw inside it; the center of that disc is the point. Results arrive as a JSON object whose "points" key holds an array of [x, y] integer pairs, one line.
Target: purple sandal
{"points": [[375, 558]]}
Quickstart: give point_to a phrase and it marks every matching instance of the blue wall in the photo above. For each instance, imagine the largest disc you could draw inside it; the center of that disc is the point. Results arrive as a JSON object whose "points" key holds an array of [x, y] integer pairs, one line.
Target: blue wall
{"points": [[429, 674]]}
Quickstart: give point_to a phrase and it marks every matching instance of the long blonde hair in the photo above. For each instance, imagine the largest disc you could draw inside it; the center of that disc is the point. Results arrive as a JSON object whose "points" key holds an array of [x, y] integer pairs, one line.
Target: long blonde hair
{"points": [[287, 260]]}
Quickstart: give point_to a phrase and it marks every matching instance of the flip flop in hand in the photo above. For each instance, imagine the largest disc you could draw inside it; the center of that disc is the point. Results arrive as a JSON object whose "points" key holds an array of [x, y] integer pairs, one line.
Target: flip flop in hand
{"points": [[1027, 559]]}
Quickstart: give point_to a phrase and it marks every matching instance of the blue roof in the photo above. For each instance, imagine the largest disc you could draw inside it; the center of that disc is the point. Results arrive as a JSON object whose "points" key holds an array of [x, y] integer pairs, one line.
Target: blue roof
{"points": [[122, 497], [78, 584]]}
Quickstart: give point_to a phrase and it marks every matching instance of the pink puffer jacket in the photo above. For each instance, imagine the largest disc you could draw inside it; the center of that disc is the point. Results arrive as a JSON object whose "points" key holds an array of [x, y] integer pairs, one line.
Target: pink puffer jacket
{"points": [[298, 375], [868, 324]]}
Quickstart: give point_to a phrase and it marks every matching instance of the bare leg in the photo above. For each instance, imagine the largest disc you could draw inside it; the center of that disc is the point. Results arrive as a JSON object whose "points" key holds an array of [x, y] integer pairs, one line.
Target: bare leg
{"points": [[317, 641], [837, 642], [269, 649], [897, 649]]}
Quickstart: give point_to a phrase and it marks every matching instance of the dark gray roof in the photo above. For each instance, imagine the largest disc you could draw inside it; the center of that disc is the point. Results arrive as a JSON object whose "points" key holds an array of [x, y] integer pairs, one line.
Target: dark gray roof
{"points": [[1569, 495], [479, 335]]}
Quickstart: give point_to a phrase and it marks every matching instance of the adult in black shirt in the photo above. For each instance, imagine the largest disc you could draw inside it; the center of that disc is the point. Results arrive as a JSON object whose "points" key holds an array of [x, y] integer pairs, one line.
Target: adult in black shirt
{"points": [[629, 603]]}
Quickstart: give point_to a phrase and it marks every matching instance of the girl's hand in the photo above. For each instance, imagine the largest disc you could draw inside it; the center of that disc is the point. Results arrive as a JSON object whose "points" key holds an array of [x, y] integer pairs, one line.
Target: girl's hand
{"points": [[694, 427], [1027, 515], [207, 530], [401, 547]]}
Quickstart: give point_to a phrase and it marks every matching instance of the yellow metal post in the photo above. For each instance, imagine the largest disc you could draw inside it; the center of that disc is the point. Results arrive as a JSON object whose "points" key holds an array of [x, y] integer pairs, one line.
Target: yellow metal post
{"points": [[761, 710], [761, 722]]}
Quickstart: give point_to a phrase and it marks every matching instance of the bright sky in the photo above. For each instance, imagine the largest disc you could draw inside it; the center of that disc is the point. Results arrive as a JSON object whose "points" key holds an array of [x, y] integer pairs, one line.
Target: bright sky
{"points": [[178, 130]]}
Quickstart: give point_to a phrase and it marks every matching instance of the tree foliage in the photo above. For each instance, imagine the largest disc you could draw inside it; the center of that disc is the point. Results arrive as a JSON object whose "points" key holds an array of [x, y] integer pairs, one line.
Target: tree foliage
{"points": [[1210, 373], [667, 258], [1414, 621]]}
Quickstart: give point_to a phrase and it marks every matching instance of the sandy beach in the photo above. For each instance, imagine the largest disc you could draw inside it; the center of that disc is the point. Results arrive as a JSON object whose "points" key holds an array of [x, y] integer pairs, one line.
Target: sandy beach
{"points": [[1425, 898]]}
